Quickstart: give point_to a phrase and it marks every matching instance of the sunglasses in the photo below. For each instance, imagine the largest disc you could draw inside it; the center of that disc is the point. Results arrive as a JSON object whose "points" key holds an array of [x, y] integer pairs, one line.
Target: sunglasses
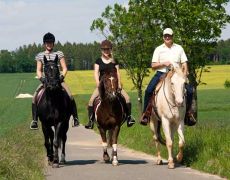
{"points": [[105, 49], [167, 36]]}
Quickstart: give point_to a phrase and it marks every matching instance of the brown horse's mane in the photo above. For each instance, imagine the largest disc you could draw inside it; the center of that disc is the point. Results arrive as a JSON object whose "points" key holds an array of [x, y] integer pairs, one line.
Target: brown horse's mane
{"points": [[107, 74]]}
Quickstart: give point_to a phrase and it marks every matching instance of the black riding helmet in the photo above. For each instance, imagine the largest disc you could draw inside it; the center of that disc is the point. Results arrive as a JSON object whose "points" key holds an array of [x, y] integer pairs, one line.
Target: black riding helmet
{"points": [[106, 44], [48, 37]]}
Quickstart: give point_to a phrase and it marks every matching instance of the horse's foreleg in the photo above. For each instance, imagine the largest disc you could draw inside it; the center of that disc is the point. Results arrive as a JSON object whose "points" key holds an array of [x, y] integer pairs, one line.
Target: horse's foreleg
{"points": [[169, 143], [51, 150], [180, 131], [56, 145], [153, 127], [47, 144], [104, 144], [115, 133]]}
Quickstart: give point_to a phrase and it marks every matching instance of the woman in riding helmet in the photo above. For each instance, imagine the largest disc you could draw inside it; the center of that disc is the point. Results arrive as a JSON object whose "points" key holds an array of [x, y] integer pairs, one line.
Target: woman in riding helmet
{"points": [[106, 62], [48, 41]]}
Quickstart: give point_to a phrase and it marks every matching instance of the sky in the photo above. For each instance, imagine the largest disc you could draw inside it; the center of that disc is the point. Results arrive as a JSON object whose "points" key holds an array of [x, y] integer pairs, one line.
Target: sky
{"points": [[24, 22]]}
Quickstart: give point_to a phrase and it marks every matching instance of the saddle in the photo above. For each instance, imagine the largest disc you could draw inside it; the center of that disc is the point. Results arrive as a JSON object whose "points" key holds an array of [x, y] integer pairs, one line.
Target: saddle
{"points": [[97, 102], [40, 93], [151, 108]]}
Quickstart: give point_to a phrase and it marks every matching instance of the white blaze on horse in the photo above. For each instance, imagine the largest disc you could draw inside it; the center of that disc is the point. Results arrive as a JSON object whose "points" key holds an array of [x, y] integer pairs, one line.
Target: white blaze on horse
{"points": [[171, 107]]}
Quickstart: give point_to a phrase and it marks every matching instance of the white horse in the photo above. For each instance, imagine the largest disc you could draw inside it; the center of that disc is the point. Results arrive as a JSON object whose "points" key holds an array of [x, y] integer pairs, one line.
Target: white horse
{"points": [[171, 108]]}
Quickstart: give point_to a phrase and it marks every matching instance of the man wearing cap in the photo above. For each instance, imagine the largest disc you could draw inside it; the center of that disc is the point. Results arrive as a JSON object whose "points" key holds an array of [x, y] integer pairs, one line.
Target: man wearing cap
{"points": [[163, 56]]}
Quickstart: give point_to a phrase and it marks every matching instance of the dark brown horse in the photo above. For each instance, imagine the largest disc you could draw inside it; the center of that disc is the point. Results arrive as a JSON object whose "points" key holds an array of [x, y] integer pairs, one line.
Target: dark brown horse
{"points": [[110, 113], [54, 110]]}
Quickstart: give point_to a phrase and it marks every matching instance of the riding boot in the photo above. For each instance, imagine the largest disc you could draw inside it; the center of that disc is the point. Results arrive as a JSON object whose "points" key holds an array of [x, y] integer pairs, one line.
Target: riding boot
{"points": [[130, 120], [147, 111], [91, 118], [75, 114], [34, 123]]}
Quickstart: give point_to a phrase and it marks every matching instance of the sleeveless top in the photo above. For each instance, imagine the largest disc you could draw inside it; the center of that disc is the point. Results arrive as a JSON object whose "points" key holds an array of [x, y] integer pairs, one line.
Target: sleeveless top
{"points": [[104, 67]]}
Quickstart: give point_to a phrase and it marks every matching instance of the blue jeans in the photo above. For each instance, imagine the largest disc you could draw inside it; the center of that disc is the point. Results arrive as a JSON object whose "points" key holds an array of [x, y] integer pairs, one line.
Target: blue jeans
{"points": [[150, 88]]}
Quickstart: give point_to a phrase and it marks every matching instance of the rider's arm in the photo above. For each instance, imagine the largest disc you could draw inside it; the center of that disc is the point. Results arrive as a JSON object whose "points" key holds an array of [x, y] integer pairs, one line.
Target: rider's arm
{"points": [[63, 66], [96, 74], [118, 76], [185, 68], [39, 69], [158, 65]]}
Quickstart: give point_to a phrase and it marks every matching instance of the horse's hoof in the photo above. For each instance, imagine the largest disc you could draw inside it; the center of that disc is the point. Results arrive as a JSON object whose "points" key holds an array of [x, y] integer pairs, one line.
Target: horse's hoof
{"points": [[159, 162], [179, 158], [171, 165], [50, 163], [63, 161], [55, 165], [115, 163], [106, 157]]}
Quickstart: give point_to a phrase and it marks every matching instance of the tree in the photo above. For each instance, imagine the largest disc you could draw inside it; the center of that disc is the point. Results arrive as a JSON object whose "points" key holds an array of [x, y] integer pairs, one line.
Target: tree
{"points": [[137, 30]]}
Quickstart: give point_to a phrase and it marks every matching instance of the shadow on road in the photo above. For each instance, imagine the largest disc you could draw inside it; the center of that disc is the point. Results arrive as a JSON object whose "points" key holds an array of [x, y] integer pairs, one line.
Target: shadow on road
{"points": [[80, 162], [123, 162]]}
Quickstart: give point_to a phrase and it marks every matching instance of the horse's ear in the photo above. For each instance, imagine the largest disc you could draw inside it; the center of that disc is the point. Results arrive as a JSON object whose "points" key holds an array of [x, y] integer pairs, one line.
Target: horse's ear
{"points": [[56, 59], [45, 59]]}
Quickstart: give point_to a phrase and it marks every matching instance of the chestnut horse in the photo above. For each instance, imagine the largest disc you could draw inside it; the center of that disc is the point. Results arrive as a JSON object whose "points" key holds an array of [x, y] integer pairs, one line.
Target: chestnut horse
{"points": [[171, 107], [54, 110], [110, 113]]}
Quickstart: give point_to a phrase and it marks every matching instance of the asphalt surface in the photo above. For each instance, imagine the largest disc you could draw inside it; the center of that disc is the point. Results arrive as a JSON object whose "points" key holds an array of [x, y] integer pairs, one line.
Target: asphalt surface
{"points": [[84, 162]]}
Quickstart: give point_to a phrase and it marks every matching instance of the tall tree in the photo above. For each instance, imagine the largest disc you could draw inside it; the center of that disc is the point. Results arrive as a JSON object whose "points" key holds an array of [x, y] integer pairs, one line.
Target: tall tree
{"points": [[137, 29]]}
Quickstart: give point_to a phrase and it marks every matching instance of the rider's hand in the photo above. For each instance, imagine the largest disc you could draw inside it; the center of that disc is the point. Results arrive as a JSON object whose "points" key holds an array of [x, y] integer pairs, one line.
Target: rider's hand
{"points": [[61, 78], [42, 79], [167, 63]]}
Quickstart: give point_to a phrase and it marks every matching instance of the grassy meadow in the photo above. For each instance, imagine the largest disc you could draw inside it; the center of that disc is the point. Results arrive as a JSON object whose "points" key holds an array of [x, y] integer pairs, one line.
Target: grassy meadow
{"points": [[207, 144]]}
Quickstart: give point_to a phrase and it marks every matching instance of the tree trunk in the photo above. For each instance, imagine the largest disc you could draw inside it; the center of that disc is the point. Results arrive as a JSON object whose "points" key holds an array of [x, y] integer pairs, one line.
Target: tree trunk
{"points": [[139, 98]]}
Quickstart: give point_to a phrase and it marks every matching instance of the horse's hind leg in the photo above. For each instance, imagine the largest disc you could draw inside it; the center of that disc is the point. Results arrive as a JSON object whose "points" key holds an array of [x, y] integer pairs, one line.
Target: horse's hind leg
{"points": [[153, 127], [104, 144], [114, 142], [180, 131]]}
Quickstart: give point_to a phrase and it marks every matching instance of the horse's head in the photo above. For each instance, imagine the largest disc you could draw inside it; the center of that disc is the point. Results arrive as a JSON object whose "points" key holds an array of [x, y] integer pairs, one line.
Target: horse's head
{"points": [[52, 74], [178, 80], [109, 84]]}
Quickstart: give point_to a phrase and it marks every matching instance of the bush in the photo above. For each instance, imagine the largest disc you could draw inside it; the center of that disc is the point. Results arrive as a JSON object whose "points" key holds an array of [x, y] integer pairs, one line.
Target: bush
{"points": [[227, 84]]}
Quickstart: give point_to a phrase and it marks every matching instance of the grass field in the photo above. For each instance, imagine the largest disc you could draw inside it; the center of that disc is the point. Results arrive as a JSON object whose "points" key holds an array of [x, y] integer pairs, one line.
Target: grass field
{"points": [[207, 144]]}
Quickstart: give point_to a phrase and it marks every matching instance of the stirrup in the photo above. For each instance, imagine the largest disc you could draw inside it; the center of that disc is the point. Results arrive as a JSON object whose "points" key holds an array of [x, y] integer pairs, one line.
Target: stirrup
{"points": [[34, 125], [144, 120], [75, 122], [90, 125], [130, 121]]}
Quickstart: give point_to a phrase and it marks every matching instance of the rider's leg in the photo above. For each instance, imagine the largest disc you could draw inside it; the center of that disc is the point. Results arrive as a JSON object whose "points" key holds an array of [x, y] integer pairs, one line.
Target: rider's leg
{"points": [[90, 123], [74, 106], [191, 114], [148, 94], [130, 120], [34, 123]]}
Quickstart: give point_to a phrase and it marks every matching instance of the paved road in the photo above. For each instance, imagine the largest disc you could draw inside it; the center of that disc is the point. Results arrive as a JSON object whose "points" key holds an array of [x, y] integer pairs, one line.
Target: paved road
{"points": [[84, 162]]}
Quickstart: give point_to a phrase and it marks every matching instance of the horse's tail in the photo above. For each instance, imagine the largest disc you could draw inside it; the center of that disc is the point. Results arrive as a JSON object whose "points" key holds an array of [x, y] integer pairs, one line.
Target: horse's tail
{"points": [[158, 134]]}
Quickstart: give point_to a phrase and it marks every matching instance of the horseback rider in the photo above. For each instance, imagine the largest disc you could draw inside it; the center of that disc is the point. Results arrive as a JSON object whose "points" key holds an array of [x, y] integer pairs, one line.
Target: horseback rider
{"points": [[163, 57], [106, 62], [50, 55]]}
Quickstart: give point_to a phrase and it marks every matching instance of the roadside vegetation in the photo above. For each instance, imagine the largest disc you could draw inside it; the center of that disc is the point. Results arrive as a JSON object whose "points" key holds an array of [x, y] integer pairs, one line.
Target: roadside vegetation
{"points": [[22, 154]]}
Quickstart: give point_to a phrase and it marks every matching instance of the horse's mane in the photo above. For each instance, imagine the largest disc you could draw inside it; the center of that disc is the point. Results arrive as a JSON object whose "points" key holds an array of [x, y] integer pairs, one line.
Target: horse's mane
{"points": [[106, 74], [176, 69]]}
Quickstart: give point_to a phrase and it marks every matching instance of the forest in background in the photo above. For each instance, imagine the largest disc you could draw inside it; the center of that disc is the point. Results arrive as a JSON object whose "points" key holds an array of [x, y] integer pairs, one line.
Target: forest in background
{"points": [[82, 56]]}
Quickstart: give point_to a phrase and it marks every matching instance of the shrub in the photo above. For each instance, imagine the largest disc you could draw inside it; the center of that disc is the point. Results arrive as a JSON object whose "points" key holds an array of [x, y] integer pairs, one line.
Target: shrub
{"points": [[227, 84]]}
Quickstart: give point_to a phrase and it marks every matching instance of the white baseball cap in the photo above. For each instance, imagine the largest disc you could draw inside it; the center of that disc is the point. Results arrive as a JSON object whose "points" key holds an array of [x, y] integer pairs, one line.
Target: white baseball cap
{"points": [[168, 31]]}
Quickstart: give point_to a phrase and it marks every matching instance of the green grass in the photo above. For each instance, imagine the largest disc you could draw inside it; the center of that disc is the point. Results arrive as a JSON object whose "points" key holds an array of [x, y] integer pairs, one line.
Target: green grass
{"points": [[22, 154]]}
